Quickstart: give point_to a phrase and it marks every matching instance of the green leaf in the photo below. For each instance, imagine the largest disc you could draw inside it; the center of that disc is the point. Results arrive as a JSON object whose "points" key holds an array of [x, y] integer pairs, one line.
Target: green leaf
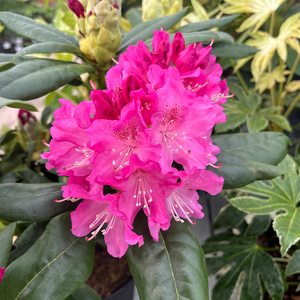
{"points": [[37, 77], [6, 66], [292, 54], [256, 123], [46, 115], [258, 226], [281, 121], [17, 104], [49, 47], [84, 293], [228, 217], [234, 51], [29, 176], [28, 237], [134, 16], [6, 236], [9, 58], [53, 268], [172, 268], [293, 267], [31, 202], [246, 266], [242, 110], [145, 30], [205, 25], [279, 194], [245, 157], [15, 158], [28, 28], [11, 177], [7, 137]]}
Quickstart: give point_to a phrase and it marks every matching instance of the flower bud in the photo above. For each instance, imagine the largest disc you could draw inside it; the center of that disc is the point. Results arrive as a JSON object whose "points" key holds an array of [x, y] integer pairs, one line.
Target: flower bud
{"points": [[99, 33], [77, 8]]}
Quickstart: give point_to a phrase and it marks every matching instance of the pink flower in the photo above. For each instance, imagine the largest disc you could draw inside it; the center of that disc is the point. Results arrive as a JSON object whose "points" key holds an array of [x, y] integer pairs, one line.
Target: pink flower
{"points": [[68, 148], [93, 215], [77, 8], [2, 271]]}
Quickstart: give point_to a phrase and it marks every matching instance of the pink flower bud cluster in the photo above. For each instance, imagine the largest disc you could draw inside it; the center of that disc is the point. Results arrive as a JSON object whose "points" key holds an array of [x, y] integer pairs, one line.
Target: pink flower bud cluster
{"points": [[147, 136]]}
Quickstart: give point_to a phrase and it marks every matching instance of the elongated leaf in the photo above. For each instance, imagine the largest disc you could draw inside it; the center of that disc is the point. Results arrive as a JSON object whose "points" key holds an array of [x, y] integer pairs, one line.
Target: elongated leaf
{"points": [[134, 16], [28, 28], [50, 47], [245, 157], [27, 239], [228, 217], [246, 266], [29, 176], [145, 30], [5, 57], [6, 236], [234, 51], [53, 268], [293, 267], [173, 268], [279, 194], [37, 77], [31, 202], [205, 25], [84, 293], [6, 66], [17, 104]]}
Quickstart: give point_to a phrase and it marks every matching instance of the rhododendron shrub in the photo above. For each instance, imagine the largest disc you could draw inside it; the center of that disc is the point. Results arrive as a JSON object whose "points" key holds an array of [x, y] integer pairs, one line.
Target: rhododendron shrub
{"points": [[147, 137]]}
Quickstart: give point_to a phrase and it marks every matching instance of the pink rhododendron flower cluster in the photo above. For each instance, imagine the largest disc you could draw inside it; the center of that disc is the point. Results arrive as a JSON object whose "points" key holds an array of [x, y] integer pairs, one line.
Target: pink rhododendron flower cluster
{"points": [[158, 111], [2, 271]]}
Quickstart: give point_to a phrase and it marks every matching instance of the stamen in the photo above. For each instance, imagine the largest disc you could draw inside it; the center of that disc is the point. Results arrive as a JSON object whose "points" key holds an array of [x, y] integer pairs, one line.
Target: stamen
{"points": [[93, 84], [216, 167], [72, 199], [114, 60], [212, 41], [46, 144]]}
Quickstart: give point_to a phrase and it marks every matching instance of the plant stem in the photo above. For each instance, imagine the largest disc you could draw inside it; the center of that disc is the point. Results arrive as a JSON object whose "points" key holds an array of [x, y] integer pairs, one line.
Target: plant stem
{"points": [[62, 94], [292, 105], [293, 70], [269, 249], [240, 77], [284, 260], [293, 283], [214, 11], [280, 99], [271, 29], [244, 35]]}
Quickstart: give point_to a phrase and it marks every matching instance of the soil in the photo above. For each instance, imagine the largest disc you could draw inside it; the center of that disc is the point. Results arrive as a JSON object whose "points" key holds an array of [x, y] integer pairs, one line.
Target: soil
{"points": [[270, 240], [109, 274]]}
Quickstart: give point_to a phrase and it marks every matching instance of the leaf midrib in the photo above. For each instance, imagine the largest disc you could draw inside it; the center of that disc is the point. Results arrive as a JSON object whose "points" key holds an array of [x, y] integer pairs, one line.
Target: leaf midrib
{"points": [[53, 260]]}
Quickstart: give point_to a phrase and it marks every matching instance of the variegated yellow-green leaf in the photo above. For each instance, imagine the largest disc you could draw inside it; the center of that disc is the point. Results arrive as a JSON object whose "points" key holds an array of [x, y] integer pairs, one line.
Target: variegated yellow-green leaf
{"points": [[279, 194], [293, 86], [268, 80], [294, 44], [261, 10], [199, 11], [241, 62], [267, 45], [290, 27]]}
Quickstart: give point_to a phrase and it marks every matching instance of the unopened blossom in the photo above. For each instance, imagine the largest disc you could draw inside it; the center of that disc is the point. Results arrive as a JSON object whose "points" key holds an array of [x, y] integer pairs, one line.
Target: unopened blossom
{"points": [[77, 8], [2, 271]]}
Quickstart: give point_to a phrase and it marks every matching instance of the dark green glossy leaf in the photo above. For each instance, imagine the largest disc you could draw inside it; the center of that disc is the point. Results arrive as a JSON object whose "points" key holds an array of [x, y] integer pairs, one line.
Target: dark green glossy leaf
{"points": [[29, 176], [17, 104], [9, 178], [173, 268], [8, 137], [245, 157], [292, 54], [234, 51], [4, 57], [50, 47], [246, 265], [6, 66], [205, 25], [293, 267], [46, 115], [31, 202], [6, 236], [53, 268], [28, 28], [145, 30], [37, 77], [281, 193], [15, 158], [258, 226], [84, 293], [28, 237], [228, 217]]}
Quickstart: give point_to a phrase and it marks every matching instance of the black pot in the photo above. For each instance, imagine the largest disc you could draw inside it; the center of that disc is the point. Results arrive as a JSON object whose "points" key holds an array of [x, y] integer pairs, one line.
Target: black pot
{"points": [[124, 293]]}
